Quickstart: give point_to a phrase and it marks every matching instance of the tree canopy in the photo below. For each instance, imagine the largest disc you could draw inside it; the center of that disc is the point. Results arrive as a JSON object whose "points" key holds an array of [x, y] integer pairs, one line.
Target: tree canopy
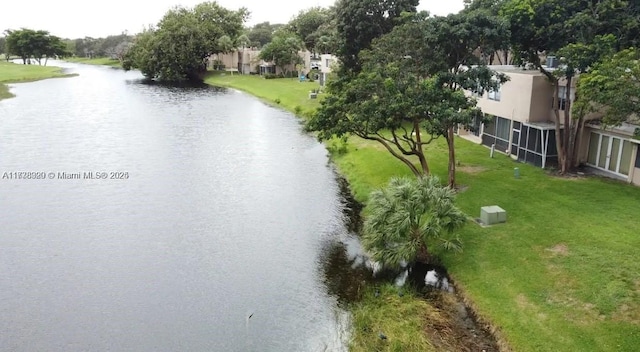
{"points": [[37, 44], [359, 22], [283, 50], [612, 86], [262, 33], [311, 24], [179, 47], [411, 88]]}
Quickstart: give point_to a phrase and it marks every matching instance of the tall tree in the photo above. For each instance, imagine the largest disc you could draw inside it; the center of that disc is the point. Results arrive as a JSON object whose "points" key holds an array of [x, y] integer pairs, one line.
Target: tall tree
{"points": [[548, 27], [262, 33], [408, 218], [184, 39], [28, 43], [359, 22], [308, 24], [283, 50], [411, 88], [612, 86]]}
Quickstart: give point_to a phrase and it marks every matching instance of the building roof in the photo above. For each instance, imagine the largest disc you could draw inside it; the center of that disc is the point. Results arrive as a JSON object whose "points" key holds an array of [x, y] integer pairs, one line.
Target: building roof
{"points": [[625, 128]]}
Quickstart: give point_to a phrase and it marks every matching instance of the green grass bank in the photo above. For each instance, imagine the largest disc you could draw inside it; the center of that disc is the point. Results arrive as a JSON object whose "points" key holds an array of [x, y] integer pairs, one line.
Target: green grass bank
{"points": [[289, 93], [95, 61], [561, 275], [17, 73]]}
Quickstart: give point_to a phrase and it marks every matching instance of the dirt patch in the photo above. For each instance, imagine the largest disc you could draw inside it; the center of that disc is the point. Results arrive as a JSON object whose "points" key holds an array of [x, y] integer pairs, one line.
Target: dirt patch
{"points": [[455, 327], [471, 169], [559, 249]]}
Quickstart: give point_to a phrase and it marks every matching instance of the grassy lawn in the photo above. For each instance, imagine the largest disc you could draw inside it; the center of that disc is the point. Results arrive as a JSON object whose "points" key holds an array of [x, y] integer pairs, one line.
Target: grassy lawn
{"points": [[15, 73], [561, 275], [289, 93], [95, 61]]}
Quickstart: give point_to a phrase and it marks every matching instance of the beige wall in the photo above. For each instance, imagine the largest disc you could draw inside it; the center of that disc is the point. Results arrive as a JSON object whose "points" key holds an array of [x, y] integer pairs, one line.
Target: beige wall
{"points": [[541, 95], [515, 98], [324, 58]]}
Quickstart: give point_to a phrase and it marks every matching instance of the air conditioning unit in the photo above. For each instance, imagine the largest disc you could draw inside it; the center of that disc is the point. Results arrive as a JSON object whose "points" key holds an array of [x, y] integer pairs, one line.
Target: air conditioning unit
{"points": [[552, 62]]}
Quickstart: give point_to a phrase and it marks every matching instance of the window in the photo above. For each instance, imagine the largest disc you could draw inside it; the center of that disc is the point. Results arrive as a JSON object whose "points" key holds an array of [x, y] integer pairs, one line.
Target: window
{"points": [[494, 95], [478, 92], [562, 98], [475, 127], [496, 131], [638, 157], [503, 127], [610, 153]]}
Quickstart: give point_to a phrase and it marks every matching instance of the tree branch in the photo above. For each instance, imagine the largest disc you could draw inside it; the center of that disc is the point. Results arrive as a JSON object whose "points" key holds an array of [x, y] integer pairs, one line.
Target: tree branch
{"points": [[404, 160]]}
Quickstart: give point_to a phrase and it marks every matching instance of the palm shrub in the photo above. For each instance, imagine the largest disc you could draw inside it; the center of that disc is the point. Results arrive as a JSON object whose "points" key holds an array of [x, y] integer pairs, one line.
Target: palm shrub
{"points": [[409, 216]]}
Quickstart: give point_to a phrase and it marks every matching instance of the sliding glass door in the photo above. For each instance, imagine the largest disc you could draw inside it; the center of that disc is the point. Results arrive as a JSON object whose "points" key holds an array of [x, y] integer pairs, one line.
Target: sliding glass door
{"points": [[609, 153]]}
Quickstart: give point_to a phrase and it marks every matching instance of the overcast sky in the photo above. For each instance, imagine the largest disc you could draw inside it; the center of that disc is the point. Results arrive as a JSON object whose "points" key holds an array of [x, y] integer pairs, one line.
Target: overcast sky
{"points": [[78, 18]]}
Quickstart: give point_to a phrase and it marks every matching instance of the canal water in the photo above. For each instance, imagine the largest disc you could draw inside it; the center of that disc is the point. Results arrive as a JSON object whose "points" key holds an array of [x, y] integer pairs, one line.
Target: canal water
{"points": [[158, 218]]}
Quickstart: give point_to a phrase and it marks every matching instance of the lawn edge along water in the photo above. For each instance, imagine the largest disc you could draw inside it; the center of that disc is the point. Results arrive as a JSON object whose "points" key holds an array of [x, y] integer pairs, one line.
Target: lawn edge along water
{"points": [[560, 275], [407, 332], [99, 61], [18, 73]]}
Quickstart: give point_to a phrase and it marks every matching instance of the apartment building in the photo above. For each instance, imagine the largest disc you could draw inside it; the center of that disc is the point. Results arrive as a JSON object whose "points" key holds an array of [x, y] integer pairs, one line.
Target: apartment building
{"points": [[521, 124], [247, 61]]}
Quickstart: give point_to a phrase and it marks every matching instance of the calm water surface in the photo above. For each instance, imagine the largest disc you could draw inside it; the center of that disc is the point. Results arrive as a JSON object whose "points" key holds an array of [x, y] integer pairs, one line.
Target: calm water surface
{"points": [[228, 211]]}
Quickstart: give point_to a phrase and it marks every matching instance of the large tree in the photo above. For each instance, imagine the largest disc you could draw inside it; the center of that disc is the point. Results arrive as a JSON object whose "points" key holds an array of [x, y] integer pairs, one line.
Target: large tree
{"points": [[359, 22], [179, 47], [283, 50], [262, 33], [612, 86], [411, 88], [549, 27], [28, 43], [309, 25], [408, 218]]}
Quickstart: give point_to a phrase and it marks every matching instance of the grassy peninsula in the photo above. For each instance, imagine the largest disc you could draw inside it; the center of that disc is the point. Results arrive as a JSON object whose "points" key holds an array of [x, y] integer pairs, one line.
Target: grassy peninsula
{"points": [[17, 73], [95, 61]]}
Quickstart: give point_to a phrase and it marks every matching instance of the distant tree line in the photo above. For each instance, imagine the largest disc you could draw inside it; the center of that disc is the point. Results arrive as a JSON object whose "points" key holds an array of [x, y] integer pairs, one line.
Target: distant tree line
{"points": [[113, 46], [27, 43], [32, 44]]}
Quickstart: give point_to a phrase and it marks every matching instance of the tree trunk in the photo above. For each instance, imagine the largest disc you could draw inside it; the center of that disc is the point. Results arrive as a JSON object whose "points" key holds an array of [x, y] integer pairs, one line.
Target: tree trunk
{"points": [[578, 143], [420, 151], [452, 158], [559, 139], [568, 135]]}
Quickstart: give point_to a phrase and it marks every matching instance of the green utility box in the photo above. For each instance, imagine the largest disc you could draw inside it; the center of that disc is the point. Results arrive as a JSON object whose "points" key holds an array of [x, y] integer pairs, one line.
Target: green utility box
{"points": [[492, 214]]}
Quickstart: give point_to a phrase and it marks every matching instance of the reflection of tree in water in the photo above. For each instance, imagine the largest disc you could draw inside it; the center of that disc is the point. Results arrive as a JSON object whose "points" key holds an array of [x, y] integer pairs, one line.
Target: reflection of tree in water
{"points": [[344, 276], [351, 207]]}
